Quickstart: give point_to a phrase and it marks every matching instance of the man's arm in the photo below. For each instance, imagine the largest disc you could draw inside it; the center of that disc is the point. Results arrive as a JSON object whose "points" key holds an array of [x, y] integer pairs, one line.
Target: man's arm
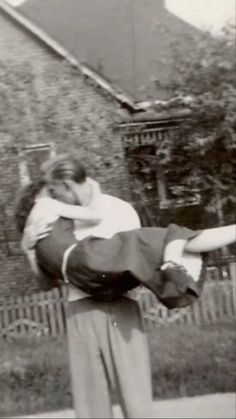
{"points": [[126, 218], [46, 281]]}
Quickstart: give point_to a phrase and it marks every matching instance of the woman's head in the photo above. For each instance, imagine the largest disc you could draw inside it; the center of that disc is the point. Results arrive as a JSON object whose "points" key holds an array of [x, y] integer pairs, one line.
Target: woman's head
{"points": [[62, 167], [57, 175]]}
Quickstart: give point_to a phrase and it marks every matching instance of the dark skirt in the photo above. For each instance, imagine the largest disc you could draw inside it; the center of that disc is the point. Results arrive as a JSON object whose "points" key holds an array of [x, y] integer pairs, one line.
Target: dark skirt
{"points": [[107, 268]]}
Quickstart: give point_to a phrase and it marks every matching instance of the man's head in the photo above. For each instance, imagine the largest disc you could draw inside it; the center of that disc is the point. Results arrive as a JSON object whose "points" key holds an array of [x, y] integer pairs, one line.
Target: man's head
{"points": [[64, 166], [60, 173]]}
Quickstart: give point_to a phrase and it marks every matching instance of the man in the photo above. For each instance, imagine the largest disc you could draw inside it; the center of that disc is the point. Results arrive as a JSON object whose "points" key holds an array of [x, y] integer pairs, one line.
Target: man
{"points": [[107, 343]]}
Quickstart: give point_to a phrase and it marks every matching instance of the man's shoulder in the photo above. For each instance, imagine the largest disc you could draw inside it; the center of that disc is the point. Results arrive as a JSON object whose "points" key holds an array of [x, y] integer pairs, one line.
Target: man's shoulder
{"points": [[113, 199], [126, 211]]}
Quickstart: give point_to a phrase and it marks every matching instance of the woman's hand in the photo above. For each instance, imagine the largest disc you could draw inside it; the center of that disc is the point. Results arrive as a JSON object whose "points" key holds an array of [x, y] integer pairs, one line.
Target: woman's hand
{"points": [[33, 233]]}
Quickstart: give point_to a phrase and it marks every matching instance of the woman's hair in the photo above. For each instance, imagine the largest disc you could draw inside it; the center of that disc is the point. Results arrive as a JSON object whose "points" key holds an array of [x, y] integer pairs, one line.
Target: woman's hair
{"points": [[63, 166], [26, 202]]}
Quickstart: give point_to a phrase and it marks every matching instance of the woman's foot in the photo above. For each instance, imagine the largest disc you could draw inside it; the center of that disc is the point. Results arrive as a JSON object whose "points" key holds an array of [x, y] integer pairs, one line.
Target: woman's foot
{"points": [[176, 273], [179, 287]]}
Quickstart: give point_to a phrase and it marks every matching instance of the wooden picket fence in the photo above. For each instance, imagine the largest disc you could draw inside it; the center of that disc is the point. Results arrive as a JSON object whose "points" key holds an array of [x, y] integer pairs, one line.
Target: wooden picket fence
{"points": [[44, 313]]}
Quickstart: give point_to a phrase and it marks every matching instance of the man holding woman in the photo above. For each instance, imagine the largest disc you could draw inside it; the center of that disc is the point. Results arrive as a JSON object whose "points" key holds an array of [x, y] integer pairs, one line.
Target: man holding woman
{"points": [[101, 256]]}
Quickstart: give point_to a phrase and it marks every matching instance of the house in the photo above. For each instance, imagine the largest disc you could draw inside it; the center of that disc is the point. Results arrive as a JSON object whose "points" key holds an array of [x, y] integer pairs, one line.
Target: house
{"points": [[51, 101], [36, 120], [127, 41]]}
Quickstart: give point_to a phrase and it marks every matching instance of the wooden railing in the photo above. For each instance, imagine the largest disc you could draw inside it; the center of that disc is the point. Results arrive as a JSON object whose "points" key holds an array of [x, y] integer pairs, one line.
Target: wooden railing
{"points": [[44, 313], [37, 314]]}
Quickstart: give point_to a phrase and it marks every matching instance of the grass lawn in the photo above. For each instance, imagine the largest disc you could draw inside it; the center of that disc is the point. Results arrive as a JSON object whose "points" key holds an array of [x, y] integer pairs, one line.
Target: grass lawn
{"points": [[186, 361]]}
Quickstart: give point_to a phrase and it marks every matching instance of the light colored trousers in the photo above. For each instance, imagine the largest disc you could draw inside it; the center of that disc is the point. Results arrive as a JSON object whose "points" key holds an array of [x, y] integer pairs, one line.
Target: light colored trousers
{"points": [[108, 350]]}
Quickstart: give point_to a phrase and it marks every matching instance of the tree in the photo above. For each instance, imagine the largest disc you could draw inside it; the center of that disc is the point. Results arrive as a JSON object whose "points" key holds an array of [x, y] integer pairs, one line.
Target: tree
{"points": [[204, 153]]}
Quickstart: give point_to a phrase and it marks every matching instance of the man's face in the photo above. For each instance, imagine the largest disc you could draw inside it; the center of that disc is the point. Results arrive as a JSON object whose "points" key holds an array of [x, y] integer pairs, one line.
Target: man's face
{"points": [[71, 192], [82, 192], [61, 191]]}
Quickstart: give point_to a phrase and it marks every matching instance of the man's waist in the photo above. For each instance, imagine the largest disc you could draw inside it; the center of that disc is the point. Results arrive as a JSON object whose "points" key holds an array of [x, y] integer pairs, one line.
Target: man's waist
{"points": [[75, 293]]}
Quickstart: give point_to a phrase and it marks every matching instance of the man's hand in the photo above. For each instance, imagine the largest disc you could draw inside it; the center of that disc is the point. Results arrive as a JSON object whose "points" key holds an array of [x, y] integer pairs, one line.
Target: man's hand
{"points": [[33, 233]]}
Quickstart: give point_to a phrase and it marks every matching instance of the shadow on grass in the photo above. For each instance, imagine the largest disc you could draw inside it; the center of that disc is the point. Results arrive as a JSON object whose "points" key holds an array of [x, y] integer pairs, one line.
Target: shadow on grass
{"points": [[186, 361], [189, 361]]}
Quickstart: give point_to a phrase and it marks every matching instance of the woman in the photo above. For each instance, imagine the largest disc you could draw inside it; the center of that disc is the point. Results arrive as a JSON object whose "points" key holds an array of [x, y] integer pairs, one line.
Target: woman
{"points": [[107, 263]]}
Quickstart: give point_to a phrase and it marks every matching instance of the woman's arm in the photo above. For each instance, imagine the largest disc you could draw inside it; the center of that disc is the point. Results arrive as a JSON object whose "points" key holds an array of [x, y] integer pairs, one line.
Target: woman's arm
{"points": [[75, 212]]}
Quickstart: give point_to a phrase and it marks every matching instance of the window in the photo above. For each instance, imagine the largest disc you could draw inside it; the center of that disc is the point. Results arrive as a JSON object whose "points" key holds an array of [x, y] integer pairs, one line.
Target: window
{"points": [[156, 187], [31, 158]]}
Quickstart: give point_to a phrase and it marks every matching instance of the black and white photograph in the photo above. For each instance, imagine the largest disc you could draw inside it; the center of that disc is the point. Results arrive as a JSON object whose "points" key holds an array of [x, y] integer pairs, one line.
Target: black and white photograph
{"points": [[117, 209]]}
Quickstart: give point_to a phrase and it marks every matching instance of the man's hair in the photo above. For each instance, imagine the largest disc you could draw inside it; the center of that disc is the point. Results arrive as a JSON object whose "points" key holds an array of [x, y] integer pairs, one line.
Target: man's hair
{"points": [[64, 166]]}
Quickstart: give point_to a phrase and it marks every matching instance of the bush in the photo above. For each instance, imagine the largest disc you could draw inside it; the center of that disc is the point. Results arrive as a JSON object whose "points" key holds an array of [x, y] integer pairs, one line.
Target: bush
{"points": [[186, 361]]}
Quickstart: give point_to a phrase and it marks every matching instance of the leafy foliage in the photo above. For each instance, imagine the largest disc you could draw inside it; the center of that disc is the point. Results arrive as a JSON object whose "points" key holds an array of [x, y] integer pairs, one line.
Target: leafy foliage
{"points": [[204, 153]]}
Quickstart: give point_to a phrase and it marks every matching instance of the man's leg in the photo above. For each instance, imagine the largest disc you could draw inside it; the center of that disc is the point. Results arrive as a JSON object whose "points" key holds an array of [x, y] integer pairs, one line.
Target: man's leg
{"points": [[126, 355], [90, 387]]}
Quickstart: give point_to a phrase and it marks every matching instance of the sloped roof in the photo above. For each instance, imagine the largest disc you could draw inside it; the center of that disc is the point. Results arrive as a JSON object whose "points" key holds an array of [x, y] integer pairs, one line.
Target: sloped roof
{"points": [[122, 40], [41, 36]]}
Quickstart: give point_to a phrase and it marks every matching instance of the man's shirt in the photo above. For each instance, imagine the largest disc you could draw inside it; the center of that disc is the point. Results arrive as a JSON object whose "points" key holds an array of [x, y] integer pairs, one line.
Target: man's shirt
{"points": [[117, 215]]}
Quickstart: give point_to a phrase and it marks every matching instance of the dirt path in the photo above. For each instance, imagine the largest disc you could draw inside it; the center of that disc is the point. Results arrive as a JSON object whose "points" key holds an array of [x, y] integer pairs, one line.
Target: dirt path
{"points": [[216, 406]]}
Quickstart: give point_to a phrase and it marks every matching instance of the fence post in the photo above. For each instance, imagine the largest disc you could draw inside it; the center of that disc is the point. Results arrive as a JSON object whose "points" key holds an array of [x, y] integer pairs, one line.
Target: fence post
{"points": [[232, 270], [46, 310], [20, 307], [51, 312], [36, 307], [43, 308]]}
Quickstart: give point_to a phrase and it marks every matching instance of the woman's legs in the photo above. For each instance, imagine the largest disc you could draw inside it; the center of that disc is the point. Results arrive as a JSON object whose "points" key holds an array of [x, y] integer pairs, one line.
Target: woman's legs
{"points": [[173, 251], [98, 265], [212, 239], [187, 252], [202, 241], [103, 266]]}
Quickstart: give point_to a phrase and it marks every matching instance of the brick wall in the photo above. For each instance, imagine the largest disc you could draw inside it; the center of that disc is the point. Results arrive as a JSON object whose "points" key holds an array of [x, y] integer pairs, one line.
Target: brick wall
{"points": [[44, 101]]}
